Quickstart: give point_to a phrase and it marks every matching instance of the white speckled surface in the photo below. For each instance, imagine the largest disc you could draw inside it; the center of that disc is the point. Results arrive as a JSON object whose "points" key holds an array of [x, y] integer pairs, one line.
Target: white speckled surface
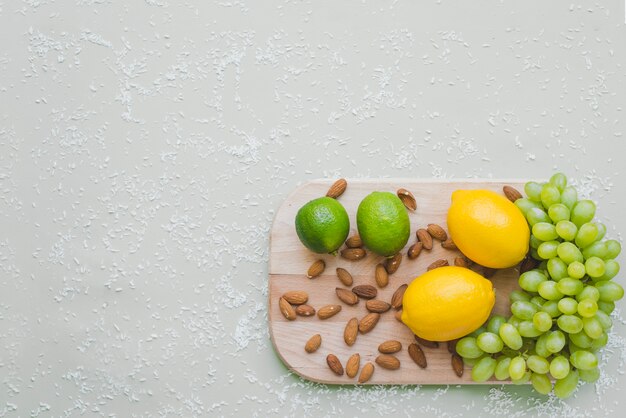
{"points": [[145, 145]]}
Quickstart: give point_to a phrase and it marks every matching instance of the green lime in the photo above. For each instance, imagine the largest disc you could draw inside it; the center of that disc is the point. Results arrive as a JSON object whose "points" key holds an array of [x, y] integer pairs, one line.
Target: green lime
{"points": [[383, 223], [322, 225]]}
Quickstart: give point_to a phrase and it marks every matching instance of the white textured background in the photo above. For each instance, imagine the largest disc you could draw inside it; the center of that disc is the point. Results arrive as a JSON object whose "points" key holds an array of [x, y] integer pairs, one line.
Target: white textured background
{"points": [[145, 145]]}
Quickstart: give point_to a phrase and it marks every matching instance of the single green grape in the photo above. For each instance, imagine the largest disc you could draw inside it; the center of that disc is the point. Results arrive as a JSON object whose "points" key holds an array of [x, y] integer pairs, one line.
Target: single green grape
{"points": [[559, 180], [484, 369], [590, 375], [559, 367], [609, 291], [548, 290], [581, 339], [538, 364], [527, 329], [569, 197], [576, 270], [502, 368], [536, 215], [606, 307], [569, 286], [611, 268], [604, 319], [523, 310], [597, 249], [592, 327], [552, 308], [587, 308], [545, 231], [558, 212], [517, 368], [582, 212], [541, 383], [595, 267], [566, 230], [584, 360], [550, 195], [589, 292], [555, 341], [599, 342], [468, 348], [569, 253], [510, 336], [517, 294], [530, 281], [570, 323], [568, 306], [564, 388], [614, 248], [601, 230], [540, 346], [489, 342], [533, 191], [547, 250], [494, 323], [586, 235], [557, 268]]}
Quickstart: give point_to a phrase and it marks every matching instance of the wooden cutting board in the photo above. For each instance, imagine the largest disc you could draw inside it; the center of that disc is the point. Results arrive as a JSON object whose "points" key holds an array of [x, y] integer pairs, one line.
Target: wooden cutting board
{"points": [[289, 261]]}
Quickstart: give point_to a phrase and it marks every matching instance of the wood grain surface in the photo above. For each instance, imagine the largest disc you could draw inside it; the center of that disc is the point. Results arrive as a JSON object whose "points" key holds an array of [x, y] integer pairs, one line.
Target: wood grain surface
{"points": [[289, 261]]}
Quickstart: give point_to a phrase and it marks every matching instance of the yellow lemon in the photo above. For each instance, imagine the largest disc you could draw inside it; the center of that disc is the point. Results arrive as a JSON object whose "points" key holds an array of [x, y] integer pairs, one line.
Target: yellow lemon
{"points": [[447, 303], [488, 228]]}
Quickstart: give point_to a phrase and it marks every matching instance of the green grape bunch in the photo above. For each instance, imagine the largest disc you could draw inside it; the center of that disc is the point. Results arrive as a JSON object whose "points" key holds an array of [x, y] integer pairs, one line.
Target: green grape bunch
{"points": [[561, 315]]}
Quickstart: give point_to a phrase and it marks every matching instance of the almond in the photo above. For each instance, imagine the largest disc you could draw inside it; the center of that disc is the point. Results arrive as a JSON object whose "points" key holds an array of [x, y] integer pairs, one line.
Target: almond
{"points": [[437, 232], [436, 264], [346, 296], [296, 297], [407, 198], [368, 322], [461, 262], [313, 343], [396, 299], [390, 347], [327, 311], [377, 306], [511, 193], [452, 346], [449, 244], [344, 276], [316, 269], [354, 241], [426, 343], [381, 276], [488, 272], [366, 373], [286, 309], [415, 250], [305, 310], [424, 237], [398, 315], [417, 355], [393, 263], [353, 254], [337, 188], [457, 364], [527, 264], [351, 331], [334, 364], [387, 361], [352, 365], [365, 291]]}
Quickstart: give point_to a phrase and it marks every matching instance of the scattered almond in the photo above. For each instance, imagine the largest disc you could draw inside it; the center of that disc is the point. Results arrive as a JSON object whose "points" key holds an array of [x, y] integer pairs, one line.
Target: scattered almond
{"points": [[286, 309], [327, 311], [407, 198], [398, 316], [417, 355], [511, 193], [353, 254], [346, 296], [387, 361], [296, 297], [390, 347], [527, 264], [415, 250], [305, 310], [344, 276], [452, 346], [366, 373], [337, 188], [457, 364], [334, 364], [351, 331], [449, 244], [436, 264], [396, 299], [424, 237], [393, 263], [365, 291], [368, 322], [354, 241], [461, 262], [316, 269], [352, 365], [426, 343], [377, 306], [313, 343], [381, 276], [437, 232], [489, 272]]}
